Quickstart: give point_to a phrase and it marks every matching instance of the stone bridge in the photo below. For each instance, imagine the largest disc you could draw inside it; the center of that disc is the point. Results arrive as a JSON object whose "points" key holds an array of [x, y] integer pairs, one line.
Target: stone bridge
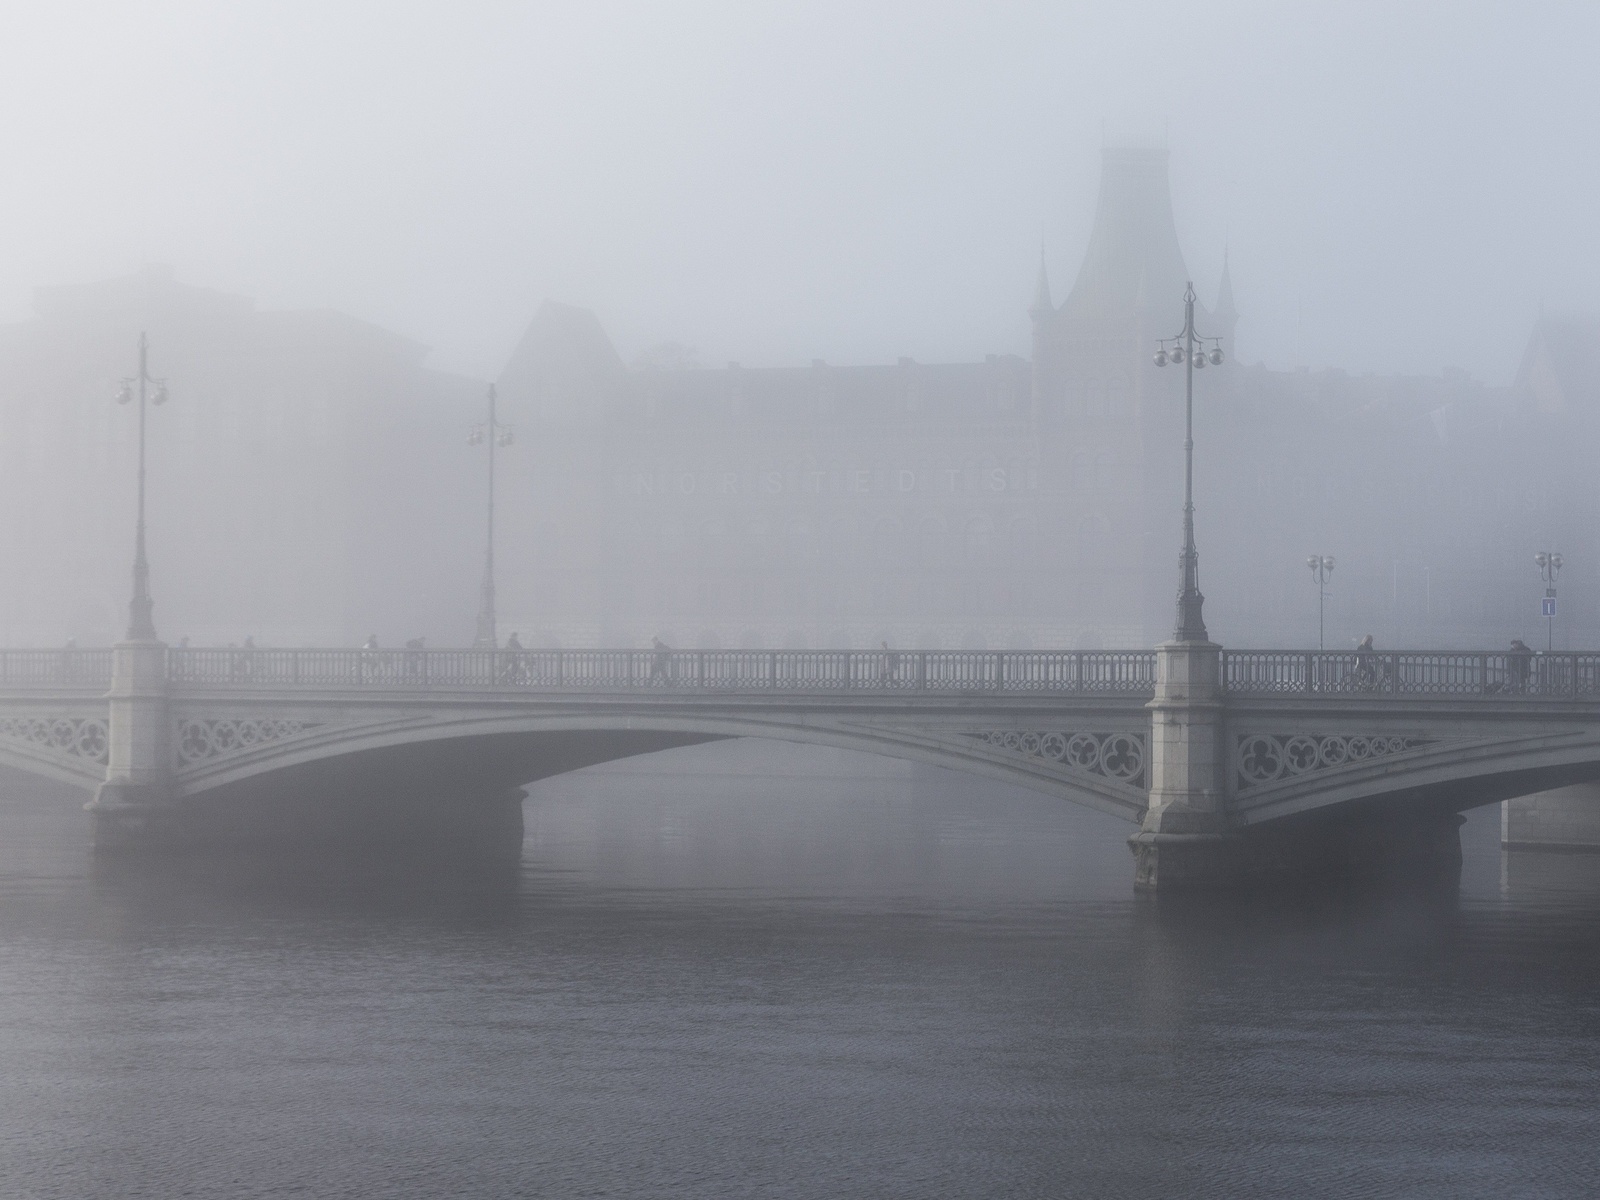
{"points": [[1223, 762]]}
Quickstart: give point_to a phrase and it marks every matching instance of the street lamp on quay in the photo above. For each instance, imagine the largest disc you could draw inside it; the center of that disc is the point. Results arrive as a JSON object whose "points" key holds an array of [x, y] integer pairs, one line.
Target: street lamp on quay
{"points": [[1189, 348], [1549, 565], [1321, 568], [141, 628], [494, 434]]}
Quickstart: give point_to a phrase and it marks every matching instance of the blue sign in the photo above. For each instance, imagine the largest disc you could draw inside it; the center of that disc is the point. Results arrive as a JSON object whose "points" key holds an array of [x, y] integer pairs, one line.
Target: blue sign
{"points": [[1547, 607]]}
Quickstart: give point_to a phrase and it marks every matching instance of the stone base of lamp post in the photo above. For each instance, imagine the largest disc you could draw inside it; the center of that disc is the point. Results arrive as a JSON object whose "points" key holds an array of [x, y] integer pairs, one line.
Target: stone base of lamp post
{"points": [[1185, 838], [137, 803]]}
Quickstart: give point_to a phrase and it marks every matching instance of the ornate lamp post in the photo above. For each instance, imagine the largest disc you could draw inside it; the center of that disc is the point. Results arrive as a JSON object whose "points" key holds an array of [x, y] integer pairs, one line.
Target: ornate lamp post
{"points": [[1549, 567], [140, 626], [1188, 348], [495, 434], [1321, 567]]}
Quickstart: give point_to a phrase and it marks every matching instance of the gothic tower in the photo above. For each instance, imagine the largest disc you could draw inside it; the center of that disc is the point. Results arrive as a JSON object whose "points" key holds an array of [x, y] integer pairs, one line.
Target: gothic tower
{"points": [[1112, 422]]}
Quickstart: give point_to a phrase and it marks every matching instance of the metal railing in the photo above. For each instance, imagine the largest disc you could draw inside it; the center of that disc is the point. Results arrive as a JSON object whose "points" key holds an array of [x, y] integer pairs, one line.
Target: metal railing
{"points": [[1496, 675], [1407, 673], [1129, 672], [55, 668]]}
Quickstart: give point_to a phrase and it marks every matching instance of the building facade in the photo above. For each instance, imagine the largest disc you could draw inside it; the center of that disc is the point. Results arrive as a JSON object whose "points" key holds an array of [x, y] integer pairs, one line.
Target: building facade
{"points": [[1037, 503], [311, 481]]}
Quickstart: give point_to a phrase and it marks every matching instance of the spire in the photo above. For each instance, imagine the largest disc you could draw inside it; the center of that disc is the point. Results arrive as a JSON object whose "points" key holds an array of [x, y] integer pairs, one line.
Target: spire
{"points": [[1134, 243], [1224, 313], [1043, 305]]}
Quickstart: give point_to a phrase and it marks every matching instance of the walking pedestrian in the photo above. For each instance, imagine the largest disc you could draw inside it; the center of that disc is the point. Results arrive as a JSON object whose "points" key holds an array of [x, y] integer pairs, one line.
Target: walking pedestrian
{"points": [[1366, 672], [1519, 665]]}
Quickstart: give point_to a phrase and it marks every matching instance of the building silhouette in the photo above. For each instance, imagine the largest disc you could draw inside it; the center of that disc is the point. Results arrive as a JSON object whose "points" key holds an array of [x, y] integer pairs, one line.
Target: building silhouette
{"points": [[311, 481]]}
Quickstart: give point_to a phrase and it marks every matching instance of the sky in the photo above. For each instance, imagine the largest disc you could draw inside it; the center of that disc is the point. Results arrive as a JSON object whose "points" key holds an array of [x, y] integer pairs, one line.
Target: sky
{"points": [[1400, 187]]}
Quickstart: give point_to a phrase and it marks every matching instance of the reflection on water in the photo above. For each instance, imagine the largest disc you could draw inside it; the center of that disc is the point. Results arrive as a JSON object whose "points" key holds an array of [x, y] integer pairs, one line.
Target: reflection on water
{"points": [[785, 972]]}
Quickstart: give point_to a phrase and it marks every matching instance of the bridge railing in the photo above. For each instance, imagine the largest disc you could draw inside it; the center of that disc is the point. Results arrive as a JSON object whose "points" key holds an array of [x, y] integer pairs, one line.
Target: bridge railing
{"points": [[1500, 675], [1405, 673], [706, 670], [67, 668]]}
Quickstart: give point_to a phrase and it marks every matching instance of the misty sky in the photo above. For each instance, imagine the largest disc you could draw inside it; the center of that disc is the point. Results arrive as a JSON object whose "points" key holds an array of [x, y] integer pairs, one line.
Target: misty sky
{"points": [[1401, 185]]}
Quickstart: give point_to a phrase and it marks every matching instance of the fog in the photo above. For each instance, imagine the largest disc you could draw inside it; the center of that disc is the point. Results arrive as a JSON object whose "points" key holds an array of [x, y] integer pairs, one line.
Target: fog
{"points": [[339, 224], [1401, 186]]}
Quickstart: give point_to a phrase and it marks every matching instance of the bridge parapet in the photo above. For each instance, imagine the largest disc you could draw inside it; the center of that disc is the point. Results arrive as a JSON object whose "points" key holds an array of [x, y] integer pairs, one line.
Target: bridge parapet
{"points": [[1244, 673], [1411, 673], [825, 671], [65, 669]]}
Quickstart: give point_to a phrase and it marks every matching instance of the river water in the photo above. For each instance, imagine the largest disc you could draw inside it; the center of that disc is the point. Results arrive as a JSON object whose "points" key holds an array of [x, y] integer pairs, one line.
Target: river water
{"points": [[753, 970]]}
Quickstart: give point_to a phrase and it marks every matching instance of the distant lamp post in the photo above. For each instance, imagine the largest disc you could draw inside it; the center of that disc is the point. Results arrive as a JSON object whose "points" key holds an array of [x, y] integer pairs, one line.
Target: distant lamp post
{"points": [[141, 628], [494, 434], [1321, 568], [1549, 567], [1188, 348]]}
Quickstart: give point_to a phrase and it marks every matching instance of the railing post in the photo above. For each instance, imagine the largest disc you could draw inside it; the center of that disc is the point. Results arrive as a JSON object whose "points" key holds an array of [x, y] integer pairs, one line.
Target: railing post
{"points": [[700, 668], [561, 669], [1394, 674], [999, 671], [772, 670], [1311, 666], [1573, 689]]}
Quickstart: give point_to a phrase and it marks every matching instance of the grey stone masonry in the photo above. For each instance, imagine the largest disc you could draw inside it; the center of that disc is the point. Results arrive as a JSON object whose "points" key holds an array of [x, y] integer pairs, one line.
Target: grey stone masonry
{"points": [[1565, 818]]}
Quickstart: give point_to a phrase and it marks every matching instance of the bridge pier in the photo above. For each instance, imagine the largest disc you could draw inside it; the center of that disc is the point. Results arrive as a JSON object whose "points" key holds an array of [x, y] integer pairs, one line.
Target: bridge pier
{"points": [[1190, 840], [1185, 839], [136, 805]]}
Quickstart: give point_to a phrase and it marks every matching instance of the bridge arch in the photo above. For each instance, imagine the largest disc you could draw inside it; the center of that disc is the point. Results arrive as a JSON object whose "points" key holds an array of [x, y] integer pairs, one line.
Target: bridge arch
{"points": [[74, 770], [503, 749], [1453, 774]]}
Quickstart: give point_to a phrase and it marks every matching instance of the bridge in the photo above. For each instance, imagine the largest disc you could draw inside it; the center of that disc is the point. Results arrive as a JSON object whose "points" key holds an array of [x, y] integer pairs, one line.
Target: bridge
{"points": [[1225, 763]]}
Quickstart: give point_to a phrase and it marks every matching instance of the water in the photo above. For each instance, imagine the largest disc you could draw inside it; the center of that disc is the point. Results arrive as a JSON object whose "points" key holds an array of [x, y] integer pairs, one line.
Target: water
{"points": [[804, 974]]}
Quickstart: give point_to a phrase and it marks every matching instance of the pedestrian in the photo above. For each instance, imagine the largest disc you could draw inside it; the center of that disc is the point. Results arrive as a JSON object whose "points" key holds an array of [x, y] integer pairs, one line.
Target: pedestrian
{"points": [[1519, 664], [890, 671], [661, 661], [1366, 673], [513, 669]]}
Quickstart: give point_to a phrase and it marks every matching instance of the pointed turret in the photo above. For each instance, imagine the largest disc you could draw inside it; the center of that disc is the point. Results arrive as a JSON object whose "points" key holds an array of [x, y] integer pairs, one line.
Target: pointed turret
{"points": [[1225, 314], [1134, 244]]}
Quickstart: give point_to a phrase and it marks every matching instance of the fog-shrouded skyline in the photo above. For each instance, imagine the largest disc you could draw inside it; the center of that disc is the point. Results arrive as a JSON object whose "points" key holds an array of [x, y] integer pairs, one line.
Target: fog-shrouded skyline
{"points": [[1399, 187]]}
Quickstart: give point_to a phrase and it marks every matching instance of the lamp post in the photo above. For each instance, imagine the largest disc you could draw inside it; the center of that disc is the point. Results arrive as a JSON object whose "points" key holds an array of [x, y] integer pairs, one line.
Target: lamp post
{"points": [[1188, 347], [1321, 567], [140, 626], [495, 434], [1549, 567]]}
